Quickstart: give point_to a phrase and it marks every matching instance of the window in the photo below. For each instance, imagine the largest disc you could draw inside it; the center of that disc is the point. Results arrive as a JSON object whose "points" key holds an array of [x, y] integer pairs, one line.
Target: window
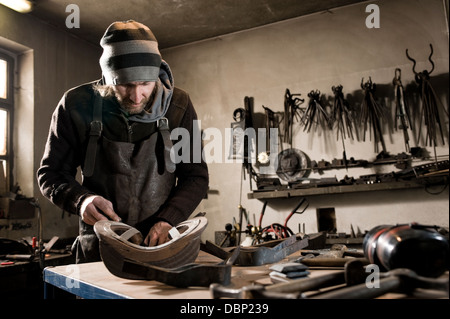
{"points": [[6, 115]]}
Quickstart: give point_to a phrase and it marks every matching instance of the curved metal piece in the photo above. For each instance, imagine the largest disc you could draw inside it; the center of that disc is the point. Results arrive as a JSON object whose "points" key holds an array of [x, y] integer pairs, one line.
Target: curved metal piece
{"points": [[256, 256], [116, 246], [414, 61], [193, 274], [429, 59]]}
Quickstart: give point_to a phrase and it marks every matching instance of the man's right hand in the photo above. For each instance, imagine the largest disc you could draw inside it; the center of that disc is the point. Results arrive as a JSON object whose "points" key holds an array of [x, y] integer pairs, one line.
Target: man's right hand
{"points": [[95, 208]]}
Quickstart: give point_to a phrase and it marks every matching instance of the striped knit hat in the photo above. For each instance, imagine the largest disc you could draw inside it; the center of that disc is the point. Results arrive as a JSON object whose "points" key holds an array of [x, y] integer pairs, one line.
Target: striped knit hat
{"points": [[130, 54]]}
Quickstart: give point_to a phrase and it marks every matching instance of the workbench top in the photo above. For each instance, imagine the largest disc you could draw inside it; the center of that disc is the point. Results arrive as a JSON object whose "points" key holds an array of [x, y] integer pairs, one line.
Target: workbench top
{"points": [[94, 281]]}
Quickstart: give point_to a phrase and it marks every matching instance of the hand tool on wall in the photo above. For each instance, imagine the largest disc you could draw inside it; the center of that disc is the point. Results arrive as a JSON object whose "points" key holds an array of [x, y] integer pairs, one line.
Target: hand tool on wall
{"points": [[248, 143], [315, 113], [401, 108], [272, 121], [341, 118], [371, 114], [292, 110], [431, 104]]}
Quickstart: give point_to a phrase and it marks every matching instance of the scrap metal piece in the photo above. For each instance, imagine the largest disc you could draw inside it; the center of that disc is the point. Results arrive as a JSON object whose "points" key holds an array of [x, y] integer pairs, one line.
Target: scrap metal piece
{"points": [[259, 255], [256, 256]]}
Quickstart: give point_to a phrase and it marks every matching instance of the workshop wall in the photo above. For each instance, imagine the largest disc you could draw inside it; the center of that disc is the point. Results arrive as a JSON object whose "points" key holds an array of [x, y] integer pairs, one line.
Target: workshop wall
{"points": [[302, 54], [317, 52], [49, 62]]}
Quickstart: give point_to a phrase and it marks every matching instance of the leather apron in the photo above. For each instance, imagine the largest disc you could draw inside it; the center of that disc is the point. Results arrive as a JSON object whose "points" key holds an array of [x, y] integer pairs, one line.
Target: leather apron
{"points": [[136, 177]]}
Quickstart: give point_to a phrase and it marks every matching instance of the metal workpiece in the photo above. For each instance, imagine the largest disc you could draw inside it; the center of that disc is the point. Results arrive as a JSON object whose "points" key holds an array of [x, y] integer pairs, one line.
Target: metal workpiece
{"points": [[259, 255], [256, 256], [120, 242], [190, 275]]}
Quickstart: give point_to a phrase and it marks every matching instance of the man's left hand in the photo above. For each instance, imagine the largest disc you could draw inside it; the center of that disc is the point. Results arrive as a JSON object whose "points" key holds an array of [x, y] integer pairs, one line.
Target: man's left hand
{"points": [[158, 234]]}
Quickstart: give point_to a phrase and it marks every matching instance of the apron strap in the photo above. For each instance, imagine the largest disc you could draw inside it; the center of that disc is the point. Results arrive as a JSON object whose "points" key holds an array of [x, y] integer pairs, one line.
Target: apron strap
{"points": [[163, 127], [96, 127]]}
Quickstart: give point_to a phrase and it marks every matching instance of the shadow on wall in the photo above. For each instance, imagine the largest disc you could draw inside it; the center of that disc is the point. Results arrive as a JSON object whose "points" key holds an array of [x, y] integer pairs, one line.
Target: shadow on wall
{"points": [[384, 95]]}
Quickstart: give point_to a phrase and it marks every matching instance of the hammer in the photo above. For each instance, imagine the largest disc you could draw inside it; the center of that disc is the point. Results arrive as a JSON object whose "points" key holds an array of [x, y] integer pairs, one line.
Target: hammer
{"points": [[353, 273]]}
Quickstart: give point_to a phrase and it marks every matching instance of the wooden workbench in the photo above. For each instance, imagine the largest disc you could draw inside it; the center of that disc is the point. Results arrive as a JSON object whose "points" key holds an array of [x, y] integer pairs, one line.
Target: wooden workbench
{"points": [[94, 281]]}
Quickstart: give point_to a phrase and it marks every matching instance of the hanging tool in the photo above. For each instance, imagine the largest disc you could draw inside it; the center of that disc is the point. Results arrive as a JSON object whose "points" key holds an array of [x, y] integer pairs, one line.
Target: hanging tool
{"points": [[248, 142], [401, 108], [371, 113], [292, 110], [315, 113], [430, 104], [342, 119]]}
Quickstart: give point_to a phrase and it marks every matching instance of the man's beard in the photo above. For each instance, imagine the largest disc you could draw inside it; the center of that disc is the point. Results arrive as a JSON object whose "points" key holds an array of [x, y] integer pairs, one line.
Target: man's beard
{"points": [[129, 106]]}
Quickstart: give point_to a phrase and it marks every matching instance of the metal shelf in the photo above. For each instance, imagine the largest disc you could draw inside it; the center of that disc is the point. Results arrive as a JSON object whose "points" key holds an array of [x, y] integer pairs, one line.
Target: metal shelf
{"points": [[345, 189]]}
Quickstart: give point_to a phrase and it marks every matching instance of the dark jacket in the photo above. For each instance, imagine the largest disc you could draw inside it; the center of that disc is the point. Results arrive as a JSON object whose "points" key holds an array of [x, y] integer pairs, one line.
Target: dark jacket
{"points": [[68, 138]]}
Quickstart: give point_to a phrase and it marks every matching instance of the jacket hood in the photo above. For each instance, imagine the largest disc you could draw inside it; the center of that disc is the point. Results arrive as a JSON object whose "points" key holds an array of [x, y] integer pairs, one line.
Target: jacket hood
{"points": [[164, 91]]}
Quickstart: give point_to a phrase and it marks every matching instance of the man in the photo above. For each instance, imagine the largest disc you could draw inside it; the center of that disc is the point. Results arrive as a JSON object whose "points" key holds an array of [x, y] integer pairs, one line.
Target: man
{"points": [[117, 130]]}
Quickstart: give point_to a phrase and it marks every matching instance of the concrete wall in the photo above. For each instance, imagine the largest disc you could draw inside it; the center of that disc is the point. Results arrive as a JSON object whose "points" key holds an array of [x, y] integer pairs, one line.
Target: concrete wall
{"points": [[49, 61], [309, 53]]}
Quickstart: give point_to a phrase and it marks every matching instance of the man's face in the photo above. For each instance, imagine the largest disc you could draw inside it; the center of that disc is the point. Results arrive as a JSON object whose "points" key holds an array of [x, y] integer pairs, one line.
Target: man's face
{"points": [[134, 96]]}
